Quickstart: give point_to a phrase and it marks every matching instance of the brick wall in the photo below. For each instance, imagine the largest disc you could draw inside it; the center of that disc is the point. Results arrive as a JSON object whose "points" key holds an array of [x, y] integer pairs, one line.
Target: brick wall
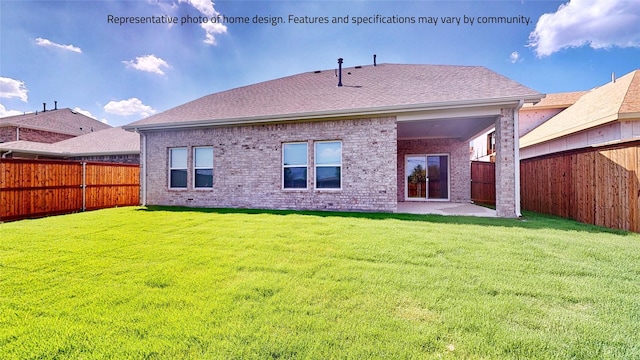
{"points": [[459, 167], [41, 136], [7, 133], [248, 166]]}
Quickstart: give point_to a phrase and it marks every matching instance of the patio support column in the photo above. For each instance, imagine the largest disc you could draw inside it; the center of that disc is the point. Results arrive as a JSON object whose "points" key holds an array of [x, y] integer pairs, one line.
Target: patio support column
{"points": [[505, 165]]}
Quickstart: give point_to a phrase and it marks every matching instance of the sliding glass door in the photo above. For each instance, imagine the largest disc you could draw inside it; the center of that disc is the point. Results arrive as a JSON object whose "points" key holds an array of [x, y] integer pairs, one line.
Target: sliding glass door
{"points": [[427, 177]]}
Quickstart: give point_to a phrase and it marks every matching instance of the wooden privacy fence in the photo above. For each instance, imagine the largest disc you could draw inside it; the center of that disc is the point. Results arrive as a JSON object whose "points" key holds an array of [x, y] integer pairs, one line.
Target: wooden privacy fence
{"points": [[34, 188], [483, 182], [599, 186]]}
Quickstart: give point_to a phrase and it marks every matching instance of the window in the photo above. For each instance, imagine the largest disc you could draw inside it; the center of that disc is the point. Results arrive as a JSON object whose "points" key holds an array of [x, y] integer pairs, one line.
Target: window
{"points": [[328, 164], [294, 166], [427, 177], [177, 168], [491, 143], [202, 167]]}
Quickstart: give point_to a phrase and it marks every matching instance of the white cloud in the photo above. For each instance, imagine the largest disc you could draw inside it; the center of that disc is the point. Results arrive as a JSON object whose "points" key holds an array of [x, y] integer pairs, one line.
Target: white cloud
{"points": [[89, 114], [11, 88], [128, 107], [4, 112], [597, 23], [51, 44], [515, 57], [148, 63], [206, 7], [211, 29]]}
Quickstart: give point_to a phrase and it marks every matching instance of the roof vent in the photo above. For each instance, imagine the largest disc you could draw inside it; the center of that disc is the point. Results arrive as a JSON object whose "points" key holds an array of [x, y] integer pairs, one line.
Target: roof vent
{"points": [[358, 67], [374, 60], [340, 72], [55, 105], [613, 77], [44, 107], [317, 72]]}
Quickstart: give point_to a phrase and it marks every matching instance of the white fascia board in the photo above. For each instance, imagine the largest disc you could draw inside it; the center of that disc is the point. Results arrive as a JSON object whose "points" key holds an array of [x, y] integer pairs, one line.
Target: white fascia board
{"points": [[69, 154], [35, 152], [629, 116], [334, 115], [104, 153]]}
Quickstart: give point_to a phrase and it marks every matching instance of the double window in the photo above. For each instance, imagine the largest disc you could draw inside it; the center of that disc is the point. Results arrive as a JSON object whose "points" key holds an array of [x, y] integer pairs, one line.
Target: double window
{"points": [[202, 167], [328, 165]]}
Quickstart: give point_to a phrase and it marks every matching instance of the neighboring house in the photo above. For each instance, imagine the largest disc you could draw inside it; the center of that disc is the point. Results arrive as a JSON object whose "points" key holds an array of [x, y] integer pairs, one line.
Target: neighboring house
{"points": [[605, 115], [47, 126], [108, 145], [530, 116], [584, 163], [360, 139]]}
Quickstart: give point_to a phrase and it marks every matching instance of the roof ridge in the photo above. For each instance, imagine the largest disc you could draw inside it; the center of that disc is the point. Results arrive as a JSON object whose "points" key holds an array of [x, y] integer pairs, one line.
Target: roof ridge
{"points": [[631, 100]]}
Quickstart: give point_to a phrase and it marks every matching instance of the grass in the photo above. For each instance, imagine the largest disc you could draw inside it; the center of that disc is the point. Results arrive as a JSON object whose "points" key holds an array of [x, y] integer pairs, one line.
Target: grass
{"points": [[166, 283]]}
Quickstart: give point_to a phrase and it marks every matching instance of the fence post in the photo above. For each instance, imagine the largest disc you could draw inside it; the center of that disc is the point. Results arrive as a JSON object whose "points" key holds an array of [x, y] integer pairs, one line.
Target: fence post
{"points": [[84, 186]]}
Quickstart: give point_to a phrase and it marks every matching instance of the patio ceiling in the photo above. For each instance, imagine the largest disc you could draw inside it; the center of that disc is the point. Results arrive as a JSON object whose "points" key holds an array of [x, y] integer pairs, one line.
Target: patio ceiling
{"points": [[463, 128]]}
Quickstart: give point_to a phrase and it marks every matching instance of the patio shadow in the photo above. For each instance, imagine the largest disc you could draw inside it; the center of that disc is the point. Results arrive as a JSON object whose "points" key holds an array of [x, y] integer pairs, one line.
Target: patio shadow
{"points": [[529, 220]]}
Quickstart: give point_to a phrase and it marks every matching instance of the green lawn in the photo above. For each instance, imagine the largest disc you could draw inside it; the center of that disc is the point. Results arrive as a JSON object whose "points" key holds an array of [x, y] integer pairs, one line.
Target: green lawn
{"points": [[173, 283]]}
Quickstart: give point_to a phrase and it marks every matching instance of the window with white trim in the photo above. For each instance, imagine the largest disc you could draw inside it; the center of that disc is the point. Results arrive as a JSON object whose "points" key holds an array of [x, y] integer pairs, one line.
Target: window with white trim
{"points": [[294, 165], [203, 167], [328, 164], [178, 168]]}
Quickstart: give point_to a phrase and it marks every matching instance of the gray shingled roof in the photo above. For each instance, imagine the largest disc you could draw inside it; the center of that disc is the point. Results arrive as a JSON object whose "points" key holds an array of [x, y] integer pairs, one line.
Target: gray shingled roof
{"points": [[367, 89], [63, 121], [109, 141]]}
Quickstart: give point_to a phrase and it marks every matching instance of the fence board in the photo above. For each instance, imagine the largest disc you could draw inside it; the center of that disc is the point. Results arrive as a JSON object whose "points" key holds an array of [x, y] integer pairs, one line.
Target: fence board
{"points": [[600, 186], [483, 182], [34, 188]]}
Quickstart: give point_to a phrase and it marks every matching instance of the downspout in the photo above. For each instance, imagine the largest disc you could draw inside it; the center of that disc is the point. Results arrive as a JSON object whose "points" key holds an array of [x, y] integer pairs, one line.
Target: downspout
{"points": [[4, 156], [143, 173], [516, 141], [17, 133]]}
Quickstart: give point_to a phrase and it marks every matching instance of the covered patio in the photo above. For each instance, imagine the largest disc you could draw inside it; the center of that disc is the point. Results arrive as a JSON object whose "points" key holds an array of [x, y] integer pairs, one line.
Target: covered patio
{"points": [[434, 167]]}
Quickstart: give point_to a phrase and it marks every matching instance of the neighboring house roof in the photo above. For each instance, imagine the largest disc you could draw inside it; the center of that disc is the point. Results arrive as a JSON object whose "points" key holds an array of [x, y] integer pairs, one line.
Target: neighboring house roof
{"points": [[112, 141], [62, 121], [385, 88], [614, 101], [556, 101]]}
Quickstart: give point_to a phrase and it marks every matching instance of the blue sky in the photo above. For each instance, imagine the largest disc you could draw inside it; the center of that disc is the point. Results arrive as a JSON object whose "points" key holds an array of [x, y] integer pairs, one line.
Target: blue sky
{"points": [[67, 51]]}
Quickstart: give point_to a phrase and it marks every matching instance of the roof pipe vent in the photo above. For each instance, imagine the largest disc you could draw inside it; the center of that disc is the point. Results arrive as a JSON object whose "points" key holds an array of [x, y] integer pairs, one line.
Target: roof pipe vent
{"points": [[340, 72], [613, 77], [55, 105], [374, 60], [44, 107]]}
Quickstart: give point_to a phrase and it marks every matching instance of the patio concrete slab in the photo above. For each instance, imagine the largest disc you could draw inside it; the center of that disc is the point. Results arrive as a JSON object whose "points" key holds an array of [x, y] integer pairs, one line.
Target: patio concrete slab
{"points": [[444, 208]]}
